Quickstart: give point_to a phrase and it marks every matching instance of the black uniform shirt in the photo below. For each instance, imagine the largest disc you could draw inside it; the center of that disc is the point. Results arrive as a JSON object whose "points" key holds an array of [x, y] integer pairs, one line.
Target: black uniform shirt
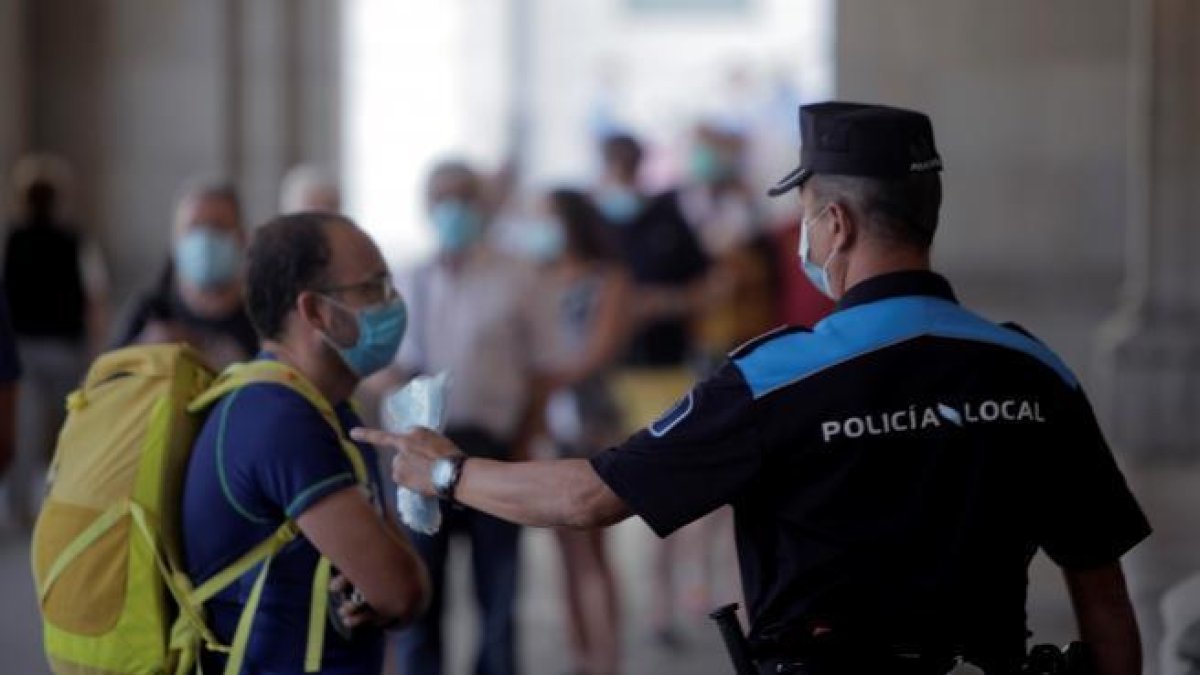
{"points": [[660, 249], [892, 472]]}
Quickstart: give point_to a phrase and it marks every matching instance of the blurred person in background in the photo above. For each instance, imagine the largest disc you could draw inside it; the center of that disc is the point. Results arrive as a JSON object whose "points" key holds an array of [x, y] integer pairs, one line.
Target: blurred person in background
{"points": [[670, 271], [57, 291], [717, 204], [589, 304], [199, 296], [668, 266], [619, 194], [663, 255], [474, 314], [309, 187], [718, 207]]}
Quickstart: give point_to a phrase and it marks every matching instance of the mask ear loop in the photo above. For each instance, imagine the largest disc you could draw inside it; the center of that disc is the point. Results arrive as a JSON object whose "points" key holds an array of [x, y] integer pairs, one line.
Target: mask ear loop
{"points": [[805, 227], [349, 310], [829, 259]]}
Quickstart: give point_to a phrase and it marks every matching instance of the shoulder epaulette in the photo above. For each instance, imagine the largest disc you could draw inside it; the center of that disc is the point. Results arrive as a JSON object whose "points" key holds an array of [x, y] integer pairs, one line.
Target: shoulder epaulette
{"points": [[747, 348], [1014, 326]]}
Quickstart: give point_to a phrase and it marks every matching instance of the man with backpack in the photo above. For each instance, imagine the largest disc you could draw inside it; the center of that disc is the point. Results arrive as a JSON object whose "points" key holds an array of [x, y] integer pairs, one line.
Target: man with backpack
{"points": [[321, 299]]}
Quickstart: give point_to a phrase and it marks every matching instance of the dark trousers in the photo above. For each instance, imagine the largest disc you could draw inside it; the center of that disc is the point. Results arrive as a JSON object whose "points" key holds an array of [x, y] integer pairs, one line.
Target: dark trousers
{"points": [[494, 562]]}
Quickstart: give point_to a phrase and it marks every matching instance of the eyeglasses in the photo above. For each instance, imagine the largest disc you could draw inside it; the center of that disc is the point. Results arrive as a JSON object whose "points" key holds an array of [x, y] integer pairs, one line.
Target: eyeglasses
{"points": [[377, 291]]}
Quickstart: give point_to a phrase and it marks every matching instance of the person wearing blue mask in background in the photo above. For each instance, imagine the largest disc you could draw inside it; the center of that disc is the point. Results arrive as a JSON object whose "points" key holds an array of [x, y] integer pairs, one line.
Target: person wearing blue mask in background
{"points": [[662, 253], [670, 269], [619, 195], [475, 314], [198, 298], [322, 301], [589, 303]]}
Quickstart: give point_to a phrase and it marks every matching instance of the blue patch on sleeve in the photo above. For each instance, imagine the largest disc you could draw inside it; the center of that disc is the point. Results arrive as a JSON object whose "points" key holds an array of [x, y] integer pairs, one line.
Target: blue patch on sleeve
{"points": [[849, 334], [673, 417]]}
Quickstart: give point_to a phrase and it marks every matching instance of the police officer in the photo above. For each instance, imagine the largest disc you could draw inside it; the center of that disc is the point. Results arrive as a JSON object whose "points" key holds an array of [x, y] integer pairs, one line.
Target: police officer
{"points": [[892, 471]]}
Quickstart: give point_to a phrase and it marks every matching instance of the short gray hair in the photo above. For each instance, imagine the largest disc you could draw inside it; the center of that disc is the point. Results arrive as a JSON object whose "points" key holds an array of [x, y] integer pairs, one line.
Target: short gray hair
{"points": [[211, 188], [301, 181], [902, 210]]}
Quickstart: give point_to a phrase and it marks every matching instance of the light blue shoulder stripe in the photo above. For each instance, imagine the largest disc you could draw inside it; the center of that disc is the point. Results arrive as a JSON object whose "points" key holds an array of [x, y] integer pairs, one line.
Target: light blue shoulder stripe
{"points": [[858, 331]]}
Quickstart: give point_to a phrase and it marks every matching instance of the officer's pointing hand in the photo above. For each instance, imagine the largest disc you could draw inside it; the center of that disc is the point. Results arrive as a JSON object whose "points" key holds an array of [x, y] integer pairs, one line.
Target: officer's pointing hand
{"points": [[416, 451]]}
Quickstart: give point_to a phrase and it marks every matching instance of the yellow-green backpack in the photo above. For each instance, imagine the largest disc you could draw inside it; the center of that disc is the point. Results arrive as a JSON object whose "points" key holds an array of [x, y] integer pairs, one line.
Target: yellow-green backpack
{"points": [[107, 554]]}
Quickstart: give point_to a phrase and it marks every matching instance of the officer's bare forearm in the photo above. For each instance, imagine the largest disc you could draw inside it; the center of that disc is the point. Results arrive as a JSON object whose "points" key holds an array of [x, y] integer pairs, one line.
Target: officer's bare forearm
{"points": [[554, 493], [1107, 623]]}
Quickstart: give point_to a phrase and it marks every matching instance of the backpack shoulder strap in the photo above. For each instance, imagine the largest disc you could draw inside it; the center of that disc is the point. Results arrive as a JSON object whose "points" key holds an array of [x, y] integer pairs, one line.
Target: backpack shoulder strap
{"points": [[274, 372]]}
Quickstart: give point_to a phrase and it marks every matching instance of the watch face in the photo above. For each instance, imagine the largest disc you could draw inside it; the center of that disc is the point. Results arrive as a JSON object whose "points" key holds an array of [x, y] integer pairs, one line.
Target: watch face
{"points": [[442, 473]]}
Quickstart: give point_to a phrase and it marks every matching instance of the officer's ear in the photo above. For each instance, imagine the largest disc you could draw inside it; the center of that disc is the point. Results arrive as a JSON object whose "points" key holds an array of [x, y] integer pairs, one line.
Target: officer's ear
{"points": [[843, 227]]}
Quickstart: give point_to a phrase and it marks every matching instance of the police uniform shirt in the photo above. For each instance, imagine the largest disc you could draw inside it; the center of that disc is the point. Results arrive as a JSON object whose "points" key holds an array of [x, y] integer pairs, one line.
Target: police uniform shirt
{"points": [[892, 472]]}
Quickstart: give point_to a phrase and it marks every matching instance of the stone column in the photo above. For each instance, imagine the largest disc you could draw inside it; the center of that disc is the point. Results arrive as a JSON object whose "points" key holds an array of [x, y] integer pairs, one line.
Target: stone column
{"points": [[14, 126], [282, 93], [1149, 351]]}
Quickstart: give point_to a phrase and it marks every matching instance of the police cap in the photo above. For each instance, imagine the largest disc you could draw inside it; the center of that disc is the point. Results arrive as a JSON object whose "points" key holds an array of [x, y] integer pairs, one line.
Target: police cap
{"points": [[858, 139]]}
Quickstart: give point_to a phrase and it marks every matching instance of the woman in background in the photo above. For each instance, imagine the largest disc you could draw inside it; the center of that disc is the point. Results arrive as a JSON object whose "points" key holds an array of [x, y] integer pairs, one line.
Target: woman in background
{"points": [[590, 301]]}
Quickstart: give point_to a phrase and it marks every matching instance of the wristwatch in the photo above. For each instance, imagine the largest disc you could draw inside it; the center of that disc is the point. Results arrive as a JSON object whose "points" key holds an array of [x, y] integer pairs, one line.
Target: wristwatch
{"points": [[444, 474]]}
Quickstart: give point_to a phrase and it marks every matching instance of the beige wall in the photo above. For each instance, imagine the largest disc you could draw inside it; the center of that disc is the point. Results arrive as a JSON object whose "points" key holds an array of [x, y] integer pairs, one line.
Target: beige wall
{"points": [[12, 91], [140, 95], [1030, 105]]}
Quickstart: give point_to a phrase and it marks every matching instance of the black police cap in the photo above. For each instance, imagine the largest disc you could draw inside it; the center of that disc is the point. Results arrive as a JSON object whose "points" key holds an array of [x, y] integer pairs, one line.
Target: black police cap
{"points": [[858, 139]]}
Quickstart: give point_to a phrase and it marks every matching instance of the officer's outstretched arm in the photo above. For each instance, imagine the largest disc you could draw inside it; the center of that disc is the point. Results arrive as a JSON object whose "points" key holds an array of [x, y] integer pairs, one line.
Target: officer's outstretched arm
{"points": [[1107, 623], [554, 493]]}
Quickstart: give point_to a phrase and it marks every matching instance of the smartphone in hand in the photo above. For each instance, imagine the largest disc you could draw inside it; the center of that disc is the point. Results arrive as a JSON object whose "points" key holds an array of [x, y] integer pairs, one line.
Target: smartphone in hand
{"points": [[338, 600]]}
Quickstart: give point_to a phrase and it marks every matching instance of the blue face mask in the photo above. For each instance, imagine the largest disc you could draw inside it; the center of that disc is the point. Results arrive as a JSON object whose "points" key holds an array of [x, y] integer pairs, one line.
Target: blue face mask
{"points": [[456, 224], [541, 240], [206, 258], [380, 332], [705, 165], [620, 207], [817, 274]]}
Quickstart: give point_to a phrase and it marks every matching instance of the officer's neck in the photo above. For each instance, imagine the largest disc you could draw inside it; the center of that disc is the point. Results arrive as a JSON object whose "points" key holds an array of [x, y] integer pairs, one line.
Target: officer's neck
{"points": [[874, 261]]}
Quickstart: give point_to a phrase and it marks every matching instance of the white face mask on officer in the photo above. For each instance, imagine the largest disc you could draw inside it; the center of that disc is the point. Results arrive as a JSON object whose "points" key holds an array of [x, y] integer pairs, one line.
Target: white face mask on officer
{"points": [[817, 274]]}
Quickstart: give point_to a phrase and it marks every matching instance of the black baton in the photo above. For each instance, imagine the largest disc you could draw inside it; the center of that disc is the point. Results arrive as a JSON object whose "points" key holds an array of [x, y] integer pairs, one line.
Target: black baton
{"points": [[735, 641]]}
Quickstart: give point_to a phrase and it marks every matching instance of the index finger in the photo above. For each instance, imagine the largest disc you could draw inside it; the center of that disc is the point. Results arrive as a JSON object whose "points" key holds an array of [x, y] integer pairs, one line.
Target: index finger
{"points": [[375, 437]]}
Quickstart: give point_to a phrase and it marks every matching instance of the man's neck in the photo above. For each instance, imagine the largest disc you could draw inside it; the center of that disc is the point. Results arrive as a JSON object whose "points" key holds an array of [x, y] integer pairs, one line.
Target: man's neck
{"points": [[881, 261], [335, 382], [457, 261], [621, 183], [211, 304]]}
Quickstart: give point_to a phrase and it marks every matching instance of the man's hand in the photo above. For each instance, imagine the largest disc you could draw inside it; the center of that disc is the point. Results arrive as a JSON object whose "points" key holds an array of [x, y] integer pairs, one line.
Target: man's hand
{"points": [[1107, 623], [365, 548], [416, 451], [354, 610]]}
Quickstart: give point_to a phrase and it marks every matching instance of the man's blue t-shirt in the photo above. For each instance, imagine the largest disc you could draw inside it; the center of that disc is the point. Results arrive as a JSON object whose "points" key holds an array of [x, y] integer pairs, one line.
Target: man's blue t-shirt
{"points": [[265, 455]]}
